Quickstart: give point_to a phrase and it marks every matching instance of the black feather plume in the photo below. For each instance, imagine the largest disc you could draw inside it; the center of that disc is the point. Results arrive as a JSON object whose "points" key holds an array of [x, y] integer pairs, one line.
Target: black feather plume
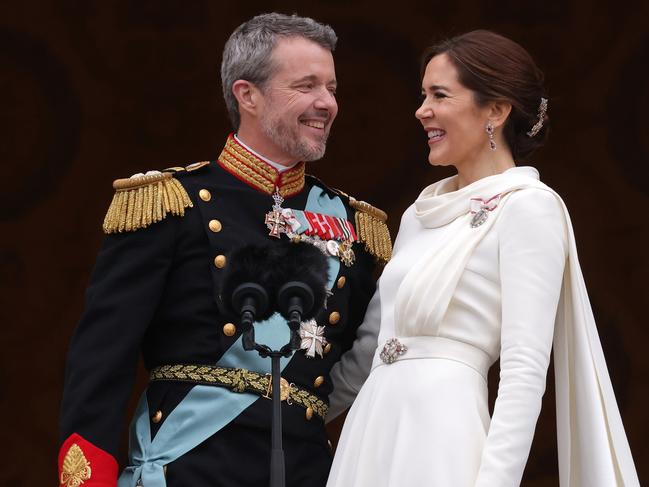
{"points": [[305, 263], [251, 263]]}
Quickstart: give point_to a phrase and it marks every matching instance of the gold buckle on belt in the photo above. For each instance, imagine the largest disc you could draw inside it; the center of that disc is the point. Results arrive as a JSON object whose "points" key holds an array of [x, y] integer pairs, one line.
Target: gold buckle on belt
{"points": [[284, 389]]}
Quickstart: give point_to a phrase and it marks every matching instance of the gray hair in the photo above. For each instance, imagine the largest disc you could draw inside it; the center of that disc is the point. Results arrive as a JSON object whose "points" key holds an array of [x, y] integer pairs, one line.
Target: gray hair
{"points": [[247, 54]]}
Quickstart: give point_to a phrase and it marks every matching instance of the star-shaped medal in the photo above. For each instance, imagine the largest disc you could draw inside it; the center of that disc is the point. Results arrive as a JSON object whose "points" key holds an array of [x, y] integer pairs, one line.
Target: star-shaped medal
{"points": [[313, 339]]}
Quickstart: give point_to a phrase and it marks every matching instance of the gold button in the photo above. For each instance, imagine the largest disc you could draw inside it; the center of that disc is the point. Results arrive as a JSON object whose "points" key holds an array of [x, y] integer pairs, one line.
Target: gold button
{"points": [[341, 282], [219, 261], [318, 381], [334, 318], [205, 195], [157, 417], [215, 226], [309, 413], [327, 348], [229, 329]]}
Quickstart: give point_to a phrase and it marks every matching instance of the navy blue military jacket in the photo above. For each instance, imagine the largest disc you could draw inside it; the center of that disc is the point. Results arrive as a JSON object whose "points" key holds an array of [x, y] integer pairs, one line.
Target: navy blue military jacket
{"points": [[154, 292]]}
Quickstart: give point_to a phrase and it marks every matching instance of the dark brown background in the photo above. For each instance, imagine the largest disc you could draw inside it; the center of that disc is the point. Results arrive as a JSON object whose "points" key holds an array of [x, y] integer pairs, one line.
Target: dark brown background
{"points": [[95, 90]]}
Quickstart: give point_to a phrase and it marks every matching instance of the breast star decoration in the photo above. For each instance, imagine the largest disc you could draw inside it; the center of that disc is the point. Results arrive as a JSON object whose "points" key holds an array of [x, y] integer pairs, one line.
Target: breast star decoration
{"points": [[313, 339]]}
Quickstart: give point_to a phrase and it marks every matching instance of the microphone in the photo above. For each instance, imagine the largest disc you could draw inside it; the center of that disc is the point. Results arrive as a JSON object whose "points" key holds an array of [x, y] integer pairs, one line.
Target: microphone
{"points": [[304, 272], [287, 277], [246, 285]]}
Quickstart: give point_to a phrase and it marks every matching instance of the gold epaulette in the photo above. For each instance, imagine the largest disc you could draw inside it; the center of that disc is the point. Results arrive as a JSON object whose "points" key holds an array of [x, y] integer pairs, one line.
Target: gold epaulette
{"points": [[372, 230], [142, 200]]}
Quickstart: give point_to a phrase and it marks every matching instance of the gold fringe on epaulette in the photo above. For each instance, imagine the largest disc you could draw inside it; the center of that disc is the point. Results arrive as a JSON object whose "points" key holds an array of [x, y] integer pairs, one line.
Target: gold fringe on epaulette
{"points": [[372, 230], [139, 202]]}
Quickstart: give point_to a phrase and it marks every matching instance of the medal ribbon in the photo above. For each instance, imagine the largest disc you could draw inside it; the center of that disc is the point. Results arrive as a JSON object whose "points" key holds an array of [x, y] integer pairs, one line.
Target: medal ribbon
{"points": [[326, 227], [478, 204]]}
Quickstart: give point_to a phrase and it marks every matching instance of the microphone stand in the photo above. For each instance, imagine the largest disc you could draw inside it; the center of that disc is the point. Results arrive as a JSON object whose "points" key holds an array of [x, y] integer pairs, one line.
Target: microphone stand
{"points": [[294, 298], [277, 465], [277, 462]]}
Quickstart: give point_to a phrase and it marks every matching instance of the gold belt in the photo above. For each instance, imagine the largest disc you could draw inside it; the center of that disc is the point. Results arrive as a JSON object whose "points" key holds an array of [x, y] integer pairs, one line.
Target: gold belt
{"points": [[240, 380]]}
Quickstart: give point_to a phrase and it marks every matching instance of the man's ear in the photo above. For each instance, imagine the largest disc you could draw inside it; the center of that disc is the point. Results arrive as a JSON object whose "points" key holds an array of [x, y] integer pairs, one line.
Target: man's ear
{"points": [[247, 94], [498, 112]]}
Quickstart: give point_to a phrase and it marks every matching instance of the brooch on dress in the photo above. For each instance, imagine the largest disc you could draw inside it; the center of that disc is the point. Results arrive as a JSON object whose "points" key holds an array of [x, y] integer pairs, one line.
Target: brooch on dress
{"points": [[391, 351], [480, 209]]}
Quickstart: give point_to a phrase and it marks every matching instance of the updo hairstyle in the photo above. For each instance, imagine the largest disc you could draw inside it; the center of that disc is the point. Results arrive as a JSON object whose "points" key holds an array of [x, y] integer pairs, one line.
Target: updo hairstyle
{"points": [[496, 68]]}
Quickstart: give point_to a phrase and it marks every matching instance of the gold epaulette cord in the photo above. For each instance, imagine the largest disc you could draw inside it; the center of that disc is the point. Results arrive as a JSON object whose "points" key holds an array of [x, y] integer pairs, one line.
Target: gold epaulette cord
{"points": [[372, 230], [140, 201]]}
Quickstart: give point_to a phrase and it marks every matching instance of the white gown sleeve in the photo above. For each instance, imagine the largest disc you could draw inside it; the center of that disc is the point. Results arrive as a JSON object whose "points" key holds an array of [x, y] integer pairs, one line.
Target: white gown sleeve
{"points": [[350, 372], [532, 255]]}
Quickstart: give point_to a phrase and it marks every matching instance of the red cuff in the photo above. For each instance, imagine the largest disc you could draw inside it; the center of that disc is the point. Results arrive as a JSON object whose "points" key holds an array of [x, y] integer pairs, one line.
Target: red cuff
{"points": [[82, 463]]}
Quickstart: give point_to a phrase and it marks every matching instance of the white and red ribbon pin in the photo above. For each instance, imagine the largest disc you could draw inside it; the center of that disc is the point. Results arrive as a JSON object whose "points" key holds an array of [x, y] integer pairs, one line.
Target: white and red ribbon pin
{"points": [[480, 209]]}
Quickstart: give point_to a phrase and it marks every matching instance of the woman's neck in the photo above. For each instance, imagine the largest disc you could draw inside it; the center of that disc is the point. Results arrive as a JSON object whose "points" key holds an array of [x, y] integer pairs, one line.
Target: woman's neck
{"points": [[493, 163]]}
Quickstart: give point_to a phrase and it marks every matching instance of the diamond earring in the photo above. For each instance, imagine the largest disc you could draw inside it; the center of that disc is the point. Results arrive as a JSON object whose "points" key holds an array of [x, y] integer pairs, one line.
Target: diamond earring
{"points": [[490, 133]]}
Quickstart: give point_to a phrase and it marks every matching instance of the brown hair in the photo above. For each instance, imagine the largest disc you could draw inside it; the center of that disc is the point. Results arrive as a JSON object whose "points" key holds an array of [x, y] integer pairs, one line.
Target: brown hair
{"points": [[496, 68]]}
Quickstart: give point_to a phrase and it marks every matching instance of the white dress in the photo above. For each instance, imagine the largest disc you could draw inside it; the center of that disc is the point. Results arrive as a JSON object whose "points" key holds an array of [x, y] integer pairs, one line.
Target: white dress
{"points": [[423, 420]]}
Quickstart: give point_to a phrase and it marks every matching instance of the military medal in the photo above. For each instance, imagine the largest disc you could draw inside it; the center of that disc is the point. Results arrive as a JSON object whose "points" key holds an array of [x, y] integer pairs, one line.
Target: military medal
{"points": [[332, 247], [313, 339], [333, 236], [346, 254], [275, 223], [275, 220], [480, 209]]}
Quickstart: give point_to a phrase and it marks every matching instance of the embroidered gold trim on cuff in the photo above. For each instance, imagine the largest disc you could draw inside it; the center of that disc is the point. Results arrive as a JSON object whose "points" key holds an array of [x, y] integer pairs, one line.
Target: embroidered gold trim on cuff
{"points": [[76, 468]]}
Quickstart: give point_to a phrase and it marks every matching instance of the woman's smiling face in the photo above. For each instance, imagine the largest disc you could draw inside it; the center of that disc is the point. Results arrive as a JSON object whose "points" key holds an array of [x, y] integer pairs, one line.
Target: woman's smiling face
{"points": [[453, 122]]}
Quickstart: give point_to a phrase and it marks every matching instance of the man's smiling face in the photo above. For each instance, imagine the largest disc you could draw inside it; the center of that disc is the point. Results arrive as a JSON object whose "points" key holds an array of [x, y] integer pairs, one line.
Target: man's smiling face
{"points": [[299, 103]]}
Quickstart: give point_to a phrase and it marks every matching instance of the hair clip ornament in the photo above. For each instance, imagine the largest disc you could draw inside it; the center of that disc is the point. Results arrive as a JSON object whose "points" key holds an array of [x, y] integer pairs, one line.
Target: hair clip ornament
{"points": [[543, 107]]}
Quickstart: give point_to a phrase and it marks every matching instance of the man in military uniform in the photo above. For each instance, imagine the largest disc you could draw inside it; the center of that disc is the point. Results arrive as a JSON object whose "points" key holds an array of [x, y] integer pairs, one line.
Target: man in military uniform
{"points": [[204, 418]]}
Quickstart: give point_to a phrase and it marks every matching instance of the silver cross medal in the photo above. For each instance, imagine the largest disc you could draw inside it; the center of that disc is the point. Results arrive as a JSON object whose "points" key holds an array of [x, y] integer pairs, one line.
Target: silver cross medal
{"points": [[275, 221], [313, 339]]}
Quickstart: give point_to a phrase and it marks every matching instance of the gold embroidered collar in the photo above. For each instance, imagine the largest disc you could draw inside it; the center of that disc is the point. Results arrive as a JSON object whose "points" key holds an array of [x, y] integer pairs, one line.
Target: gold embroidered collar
{"points": [[250, 169]]}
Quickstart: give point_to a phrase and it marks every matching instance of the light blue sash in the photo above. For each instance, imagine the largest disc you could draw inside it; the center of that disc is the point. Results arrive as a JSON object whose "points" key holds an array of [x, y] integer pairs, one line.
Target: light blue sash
{"points": [[207, 409]]}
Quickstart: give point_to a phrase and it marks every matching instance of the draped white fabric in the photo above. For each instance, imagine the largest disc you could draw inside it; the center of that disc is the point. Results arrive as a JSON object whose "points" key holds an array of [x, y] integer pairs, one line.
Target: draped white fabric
{"points": [[593, 449], [426, 291]]}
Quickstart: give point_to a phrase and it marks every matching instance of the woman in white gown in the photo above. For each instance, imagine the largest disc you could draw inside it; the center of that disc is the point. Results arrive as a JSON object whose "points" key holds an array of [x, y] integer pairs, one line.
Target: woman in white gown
{"points": [[484, 267]]}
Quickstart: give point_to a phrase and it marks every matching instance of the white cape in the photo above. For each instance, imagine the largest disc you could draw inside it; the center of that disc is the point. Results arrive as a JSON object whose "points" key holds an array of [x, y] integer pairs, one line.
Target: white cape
{"points": [[593, 449]]}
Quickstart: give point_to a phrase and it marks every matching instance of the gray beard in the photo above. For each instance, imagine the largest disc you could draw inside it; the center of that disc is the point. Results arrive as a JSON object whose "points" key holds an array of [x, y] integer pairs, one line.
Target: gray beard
{"points": [[289, 143]]}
